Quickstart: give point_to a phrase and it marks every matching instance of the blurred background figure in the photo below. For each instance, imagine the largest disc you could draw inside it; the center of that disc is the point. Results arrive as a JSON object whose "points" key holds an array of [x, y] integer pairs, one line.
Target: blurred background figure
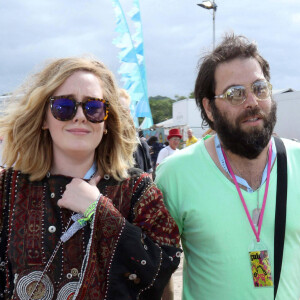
{"points": [[155, 148], [142, 154], [174, 138], [191, 139]]}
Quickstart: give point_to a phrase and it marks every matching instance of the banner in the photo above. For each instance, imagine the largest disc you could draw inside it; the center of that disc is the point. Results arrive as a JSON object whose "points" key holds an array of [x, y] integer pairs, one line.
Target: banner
{"points": [[132, 68]]}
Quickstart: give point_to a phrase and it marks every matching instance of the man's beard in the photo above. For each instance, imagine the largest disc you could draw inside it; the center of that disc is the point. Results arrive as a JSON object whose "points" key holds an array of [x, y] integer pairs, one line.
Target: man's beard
{"points": [[249, 143]]}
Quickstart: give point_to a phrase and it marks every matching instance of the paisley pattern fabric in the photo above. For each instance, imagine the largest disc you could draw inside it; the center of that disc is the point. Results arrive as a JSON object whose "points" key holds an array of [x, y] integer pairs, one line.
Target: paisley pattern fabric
{"points": [[129, 251]]}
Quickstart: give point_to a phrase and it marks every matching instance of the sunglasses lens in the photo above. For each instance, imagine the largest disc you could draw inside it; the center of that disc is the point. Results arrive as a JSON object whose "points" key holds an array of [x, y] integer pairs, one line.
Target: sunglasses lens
{"points": [[95, 110], [261, 90], [63, 109], [236, 95]]}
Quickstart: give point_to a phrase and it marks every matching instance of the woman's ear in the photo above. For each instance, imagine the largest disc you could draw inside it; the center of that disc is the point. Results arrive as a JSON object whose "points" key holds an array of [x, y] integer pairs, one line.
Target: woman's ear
{"points": [[104, 128], [45, 123], [207, 107]]}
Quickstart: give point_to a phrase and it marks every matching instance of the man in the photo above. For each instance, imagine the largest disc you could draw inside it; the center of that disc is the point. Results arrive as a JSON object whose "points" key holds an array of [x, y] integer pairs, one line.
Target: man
{"points": [[174, 138], [227, 228], [191, 139]]}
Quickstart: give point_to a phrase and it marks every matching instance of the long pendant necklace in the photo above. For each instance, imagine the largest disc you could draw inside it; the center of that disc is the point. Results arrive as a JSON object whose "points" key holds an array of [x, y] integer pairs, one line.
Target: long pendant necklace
{"points": [[256, 232], [37, 285], [256, 211], [67, 234]]}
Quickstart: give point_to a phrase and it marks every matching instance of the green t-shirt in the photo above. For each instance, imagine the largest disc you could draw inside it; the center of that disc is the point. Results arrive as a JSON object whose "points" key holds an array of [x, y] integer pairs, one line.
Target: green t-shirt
{"points": [[216, 233]]}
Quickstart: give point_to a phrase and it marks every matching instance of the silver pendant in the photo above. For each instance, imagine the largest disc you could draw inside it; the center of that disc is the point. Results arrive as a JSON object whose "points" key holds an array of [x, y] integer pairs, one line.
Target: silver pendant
{"points": [[256, 215], [27, 284], [68, 291]]}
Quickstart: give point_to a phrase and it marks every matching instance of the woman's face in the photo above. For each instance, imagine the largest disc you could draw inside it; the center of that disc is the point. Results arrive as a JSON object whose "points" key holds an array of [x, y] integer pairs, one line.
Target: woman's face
{"points": [[77, 137]]}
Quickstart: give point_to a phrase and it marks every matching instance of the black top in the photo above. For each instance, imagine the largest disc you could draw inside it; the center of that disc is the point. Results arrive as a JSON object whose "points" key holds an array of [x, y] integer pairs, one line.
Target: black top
{"points": [[142, 157]]}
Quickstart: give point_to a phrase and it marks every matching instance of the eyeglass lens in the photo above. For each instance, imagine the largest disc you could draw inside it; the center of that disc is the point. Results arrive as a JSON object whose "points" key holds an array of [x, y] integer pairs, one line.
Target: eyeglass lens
{"points": [[261, 90], [237, 94], [64, 109]]}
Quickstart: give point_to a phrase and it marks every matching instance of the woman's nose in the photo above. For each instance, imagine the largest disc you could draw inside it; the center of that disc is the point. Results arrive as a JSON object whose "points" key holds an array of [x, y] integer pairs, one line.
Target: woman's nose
{"points": [[80, 116]]}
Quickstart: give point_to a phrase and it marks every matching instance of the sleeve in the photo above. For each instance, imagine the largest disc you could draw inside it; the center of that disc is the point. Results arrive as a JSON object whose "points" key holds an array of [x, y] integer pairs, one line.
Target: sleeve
{"points": [[2, 199], [148, 163], [166, 182], [145, 245], [2, 244], [142, 157], [3, 230]]}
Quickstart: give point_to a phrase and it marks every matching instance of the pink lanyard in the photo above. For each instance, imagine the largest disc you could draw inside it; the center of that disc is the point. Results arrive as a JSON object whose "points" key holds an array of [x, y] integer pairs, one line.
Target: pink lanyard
{"points": [[242, 198]]}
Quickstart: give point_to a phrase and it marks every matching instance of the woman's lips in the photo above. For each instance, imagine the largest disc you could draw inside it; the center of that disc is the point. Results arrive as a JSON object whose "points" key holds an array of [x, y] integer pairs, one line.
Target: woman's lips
{"points": [[78, 131]]}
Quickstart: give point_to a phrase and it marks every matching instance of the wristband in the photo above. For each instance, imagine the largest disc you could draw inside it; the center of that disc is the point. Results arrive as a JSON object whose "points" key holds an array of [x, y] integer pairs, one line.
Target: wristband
{"points": [[90, 211]]}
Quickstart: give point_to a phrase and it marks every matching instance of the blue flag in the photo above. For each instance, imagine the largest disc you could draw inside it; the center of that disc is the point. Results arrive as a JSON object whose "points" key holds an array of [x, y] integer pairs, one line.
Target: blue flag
{"points": [[133, 68]]}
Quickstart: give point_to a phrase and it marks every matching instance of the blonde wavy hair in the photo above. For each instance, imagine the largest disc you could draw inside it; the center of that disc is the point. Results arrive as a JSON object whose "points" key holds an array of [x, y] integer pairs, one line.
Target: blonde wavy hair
{"points": [[126, 96], [28, 148]]}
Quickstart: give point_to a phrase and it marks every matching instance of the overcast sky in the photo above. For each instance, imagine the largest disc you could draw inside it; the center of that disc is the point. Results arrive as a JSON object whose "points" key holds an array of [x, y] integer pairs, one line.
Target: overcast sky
{"points": [[176, 34]]}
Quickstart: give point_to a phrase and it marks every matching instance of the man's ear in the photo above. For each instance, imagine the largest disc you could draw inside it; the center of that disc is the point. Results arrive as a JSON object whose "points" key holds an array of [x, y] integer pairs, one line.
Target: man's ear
{"points": [[207, 107]]}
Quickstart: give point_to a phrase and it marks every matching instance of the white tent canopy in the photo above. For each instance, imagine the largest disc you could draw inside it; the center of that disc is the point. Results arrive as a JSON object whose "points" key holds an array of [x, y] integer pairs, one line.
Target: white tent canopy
{"points": [[166, 124]]}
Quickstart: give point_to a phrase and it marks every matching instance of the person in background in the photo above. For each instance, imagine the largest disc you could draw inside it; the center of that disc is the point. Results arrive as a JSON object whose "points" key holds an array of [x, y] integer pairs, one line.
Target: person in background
{"points": [[76, 221], [155, 147], [225, 191], [174, 138], [142, 154], [191, 139]]}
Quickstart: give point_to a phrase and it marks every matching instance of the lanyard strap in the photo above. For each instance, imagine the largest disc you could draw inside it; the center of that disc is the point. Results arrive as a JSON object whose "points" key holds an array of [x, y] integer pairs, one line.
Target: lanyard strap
{"points": [[256, 233], [91, 172], [280, 214], [240, 180]]}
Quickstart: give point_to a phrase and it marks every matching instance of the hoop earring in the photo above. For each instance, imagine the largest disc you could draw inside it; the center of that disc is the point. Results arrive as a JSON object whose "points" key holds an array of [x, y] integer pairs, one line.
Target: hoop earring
{"points": [[105, 131]]}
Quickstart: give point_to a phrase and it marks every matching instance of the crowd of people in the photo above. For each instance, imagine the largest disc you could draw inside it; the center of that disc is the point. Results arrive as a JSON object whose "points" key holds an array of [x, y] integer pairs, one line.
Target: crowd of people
{"points": [[80, 215]]}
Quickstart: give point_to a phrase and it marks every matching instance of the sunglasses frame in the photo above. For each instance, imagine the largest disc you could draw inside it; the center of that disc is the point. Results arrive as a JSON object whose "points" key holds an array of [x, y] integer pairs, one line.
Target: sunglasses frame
{"points": [[225, 94], [76, 104]]}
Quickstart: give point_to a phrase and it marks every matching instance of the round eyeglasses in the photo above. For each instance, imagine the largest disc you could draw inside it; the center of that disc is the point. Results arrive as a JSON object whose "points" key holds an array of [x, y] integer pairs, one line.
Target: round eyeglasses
{"points": [[237, 94]]}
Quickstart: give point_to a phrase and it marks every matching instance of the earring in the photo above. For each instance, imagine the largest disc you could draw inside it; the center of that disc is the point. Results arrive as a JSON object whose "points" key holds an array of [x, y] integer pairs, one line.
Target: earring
{"points": [[44, 128], [105, 131]]}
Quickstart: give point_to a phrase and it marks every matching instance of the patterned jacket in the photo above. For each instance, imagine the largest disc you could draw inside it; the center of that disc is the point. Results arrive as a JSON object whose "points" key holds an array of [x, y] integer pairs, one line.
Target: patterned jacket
{"points": [[129, 251]]}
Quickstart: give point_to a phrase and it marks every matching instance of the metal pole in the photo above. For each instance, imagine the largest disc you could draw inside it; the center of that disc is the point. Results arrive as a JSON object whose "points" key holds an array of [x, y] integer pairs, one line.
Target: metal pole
{"points": [[214, 17]]}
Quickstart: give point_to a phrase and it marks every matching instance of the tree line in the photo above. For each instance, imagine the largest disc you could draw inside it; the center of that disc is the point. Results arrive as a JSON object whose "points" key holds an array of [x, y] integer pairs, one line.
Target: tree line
{"points": [[161, 106]]}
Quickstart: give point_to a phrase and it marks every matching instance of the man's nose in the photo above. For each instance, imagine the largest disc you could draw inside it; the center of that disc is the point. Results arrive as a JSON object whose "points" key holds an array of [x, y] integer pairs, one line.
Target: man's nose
{"points": [[251, 99]]}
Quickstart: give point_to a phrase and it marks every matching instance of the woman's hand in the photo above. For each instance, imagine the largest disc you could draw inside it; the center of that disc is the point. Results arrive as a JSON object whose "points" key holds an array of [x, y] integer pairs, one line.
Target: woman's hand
{"points": [[79, 194]]}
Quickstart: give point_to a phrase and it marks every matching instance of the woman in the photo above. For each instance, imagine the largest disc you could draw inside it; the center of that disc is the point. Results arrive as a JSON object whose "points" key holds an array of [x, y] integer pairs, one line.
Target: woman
{"points": [[68, 125]]}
